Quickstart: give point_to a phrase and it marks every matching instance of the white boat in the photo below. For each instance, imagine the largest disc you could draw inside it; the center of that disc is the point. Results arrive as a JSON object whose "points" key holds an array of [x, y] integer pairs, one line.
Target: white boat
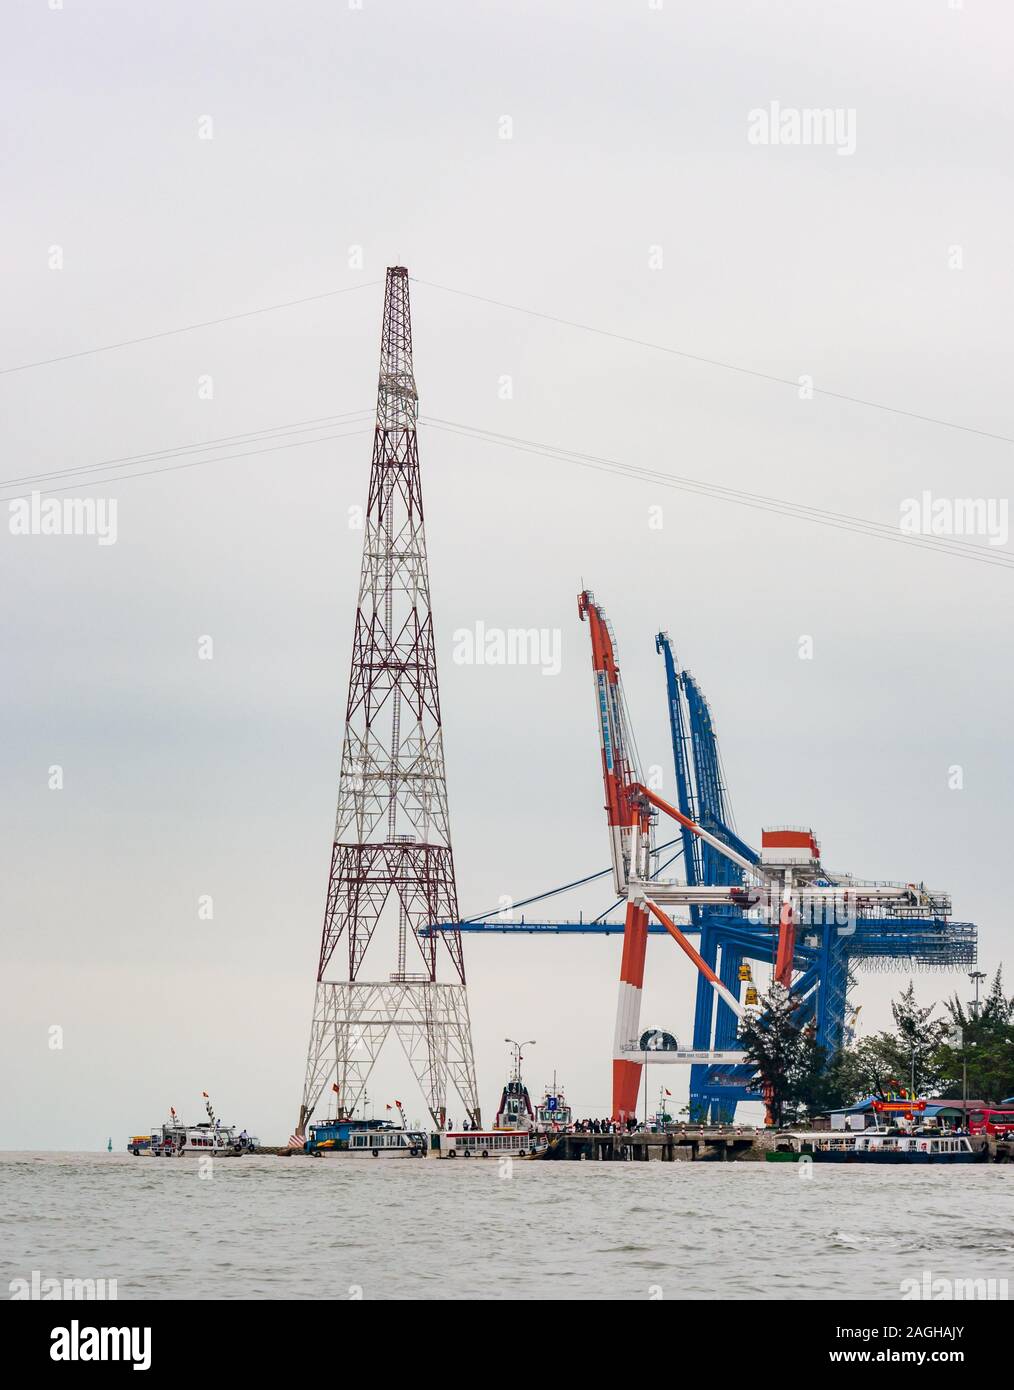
{"points": [[173, 1139], [875, 1145], [220, 1139], [387, 1142], [492, 1143]]}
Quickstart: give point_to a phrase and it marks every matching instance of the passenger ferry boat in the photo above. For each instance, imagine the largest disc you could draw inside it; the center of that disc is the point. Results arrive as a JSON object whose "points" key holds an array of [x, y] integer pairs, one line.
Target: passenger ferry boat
{"points": [[514, 1133], [385, 1141], [368, 1138], [173, 1139], [886, 1146], [492, 1143]]}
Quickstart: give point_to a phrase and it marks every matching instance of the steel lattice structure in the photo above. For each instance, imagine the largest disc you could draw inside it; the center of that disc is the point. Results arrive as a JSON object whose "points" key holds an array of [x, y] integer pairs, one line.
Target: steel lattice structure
{"points": [[825, 955], [392, 834]]}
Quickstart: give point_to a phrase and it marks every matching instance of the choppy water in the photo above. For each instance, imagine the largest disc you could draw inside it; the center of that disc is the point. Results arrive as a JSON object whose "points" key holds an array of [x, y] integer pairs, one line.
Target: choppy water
{"points": [[272, 1227]]}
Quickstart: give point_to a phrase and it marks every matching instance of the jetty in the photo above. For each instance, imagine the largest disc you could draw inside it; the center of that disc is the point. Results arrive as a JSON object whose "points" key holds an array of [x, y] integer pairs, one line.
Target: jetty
{"points": [[689, 1144]]}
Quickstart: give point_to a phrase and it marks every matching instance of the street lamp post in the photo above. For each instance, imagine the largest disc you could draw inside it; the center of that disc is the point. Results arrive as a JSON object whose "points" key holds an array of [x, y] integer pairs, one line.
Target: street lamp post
{"points": [[517, 1046], [645, 1090]]}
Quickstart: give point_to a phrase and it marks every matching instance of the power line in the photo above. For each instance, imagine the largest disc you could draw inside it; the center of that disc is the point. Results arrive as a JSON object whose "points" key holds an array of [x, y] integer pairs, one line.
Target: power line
{"points": [[193, 463], [187, 328], [249, 436], [717, 491], [839, 520], [716, 362], [531, 313]]}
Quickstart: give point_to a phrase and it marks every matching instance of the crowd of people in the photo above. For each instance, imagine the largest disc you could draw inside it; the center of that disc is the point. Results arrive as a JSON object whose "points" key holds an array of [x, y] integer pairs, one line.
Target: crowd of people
{"points": [[580, 1126], [605, 1126]]}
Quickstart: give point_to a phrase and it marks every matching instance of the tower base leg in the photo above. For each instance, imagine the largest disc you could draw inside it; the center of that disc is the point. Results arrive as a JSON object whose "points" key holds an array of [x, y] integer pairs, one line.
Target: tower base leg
{"points": [[351, 1023]]}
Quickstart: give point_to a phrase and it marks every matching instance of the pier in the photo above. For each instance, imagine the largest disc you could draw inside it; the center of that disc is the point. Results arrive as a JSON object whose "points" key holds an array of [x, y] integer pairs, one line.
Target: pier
{"points": [[693, 1144]]}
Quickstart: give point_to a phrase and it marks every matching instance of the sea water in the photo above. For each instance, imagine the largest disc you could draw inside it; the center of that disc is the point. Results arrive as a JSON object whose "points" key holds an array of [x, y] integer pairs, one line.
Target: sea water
{"points": [[337, 1227]]}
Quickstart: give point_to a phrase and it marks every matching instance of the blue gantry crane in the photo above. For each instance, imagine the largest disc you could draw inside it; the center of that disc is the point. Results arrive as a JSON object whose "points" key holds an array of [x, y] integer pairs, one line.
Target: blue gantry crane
{"points": [[824, 951], [701, 794]]}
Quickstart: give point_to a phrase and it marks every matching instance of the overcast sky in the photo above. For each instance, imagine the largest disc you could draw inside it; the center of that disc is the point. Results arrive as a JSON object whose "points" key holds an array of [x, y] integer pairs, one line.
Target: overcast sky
{"points": [[629, 198]]}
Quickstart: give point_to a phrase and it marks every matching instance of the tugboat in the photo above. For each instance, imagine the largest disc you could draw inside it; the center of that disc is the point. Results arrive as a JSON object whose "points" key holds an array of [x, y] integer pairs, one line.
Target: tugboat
{"points": [[514, 1133], [173, 1139], [553, 1114]]}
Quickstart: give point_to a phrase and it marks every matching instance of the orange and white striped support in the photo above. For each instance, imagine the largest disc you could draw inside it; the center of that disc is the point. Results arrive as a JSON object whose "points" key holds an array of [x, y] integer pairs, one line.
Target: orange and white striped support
{"points": [[627, 1073]]}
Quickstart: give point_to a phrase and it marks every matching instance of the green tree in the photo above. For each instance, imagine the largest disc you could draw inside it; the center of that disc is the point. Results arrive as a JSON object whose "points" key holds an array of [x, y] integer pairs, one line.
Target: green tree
{"points": [[813, 1077], [916, 1043], [870, 1068], [773, 1042], [986, 1047]]}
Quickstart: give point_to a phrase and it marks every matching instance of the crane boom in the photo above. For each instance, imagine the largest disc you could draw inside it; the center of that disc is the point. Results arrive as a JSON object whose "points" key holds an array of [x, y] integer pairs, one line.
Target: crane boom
{"points": [[630, 832], [619, 760]]}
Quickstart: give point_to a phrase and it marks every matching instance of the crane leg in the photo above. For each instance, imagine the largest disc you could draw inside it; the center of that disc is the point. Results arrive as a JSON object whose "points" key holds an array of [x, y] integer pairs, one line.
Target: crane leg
{"points": [[783, 976], [786, 946], [627, 1073]]}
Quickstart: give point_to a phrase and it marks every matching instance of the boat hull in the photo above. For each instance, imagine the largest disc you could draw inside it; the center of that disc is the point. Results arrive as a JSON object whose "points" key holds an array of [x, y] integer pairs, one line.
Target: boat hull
{"points": [[377, 1153], [891, 1159]]}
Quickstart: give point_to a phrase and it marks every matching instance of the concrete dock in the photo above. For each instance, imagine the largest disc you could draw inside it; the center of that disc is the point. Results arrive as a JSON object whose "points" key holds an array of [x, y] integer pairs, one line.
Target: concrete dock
{"points": [[692, 1144]]}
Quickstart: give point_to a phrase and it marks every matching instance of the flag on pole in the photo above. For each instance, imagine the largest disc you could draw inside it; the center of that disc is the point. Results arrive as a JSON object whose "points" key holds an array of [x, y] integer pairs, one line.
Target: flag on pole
{"points": [[668, 1093], [334, 1087], [204, 1094]]}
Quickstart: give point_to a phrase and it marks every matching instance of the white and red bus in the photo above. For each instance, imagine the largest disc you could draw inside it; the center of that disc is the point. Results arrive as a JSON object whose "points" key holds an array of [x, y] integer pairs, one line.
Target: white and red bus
{"points": [[997, 1123]]}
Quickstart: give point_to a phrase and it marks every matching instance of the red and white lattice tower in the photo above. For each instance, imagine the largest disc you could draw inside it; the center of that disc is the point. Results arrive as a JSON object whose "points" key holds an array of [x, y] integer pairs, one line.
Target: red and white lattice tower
{"points": [[392, 855]]}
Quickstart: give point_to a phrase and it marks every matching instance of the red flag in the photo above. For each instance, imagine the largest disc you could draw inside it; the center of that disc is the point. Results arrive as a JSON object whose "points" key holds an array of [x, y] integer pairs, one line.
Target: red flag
{"points": [[398, 1104], [388, 1107], [204, 1094], [668, 1093], [334, 1087]]}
